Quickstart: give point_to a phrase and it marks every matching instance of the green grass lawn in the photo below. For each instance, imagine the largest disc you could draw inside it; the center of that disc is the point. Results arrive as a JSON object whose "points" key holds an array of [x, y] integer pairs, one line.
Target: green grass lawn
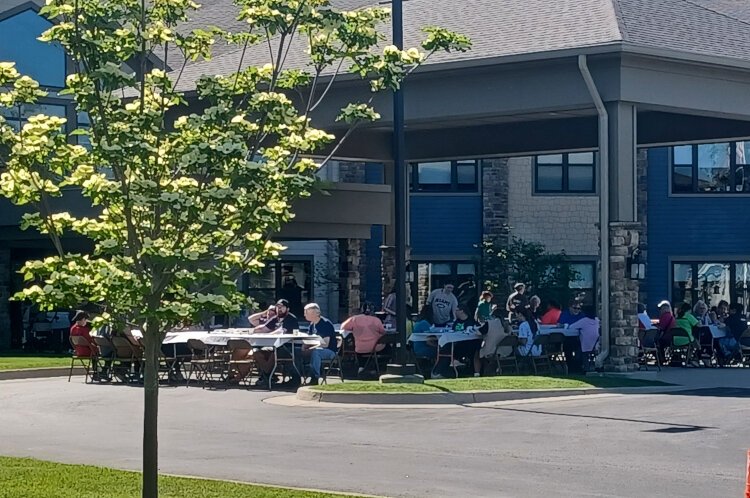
{"points": [[14, 360], [28, 478], [489, 384]]}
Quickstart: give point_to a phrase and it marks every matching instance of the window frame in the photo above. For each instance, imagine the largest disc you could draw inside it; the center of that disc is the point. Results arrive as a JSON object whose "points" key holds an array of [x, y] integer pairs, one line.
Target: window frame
{"points": [[453, 276], [695, 263], [565, 165], [454, 187], [695, 167]]}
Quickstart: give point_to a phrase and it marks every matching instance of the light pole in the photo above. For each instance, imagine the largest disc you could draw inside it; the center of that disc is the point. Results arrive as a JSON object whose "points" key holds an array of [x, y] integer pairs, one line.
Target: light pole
{"points": [[400, 187]]}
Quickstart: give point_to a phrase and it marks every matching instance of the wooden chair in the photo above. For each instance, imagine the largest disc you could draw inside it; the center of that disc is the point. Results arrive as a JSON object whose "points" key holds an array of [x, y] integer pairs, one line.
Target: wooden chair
{"points": [[649, 345], [87, 362], [507, 362]]}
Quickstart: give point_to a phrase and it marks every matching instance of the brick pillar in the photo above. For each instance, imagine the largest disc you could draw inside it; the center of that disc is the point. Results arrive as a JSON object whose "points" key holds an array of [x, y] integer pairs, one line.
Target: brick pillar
{"points": [[495, 198], [5, 285], [623, 313], [350, 273]]}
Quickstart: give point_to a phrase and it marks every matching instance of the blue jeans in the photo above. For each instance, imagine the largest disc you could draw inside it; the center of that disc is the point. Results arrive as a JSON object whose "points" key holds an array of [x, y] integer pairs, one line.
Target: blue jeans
{"points": [[316, 359]]}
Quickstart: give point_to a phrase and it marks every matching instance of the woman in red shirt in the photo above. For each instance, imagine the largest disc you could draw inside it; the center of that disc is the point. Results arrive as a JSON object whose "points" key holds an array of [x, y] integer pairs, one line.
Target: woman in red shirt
{"points": [[82, 328]]}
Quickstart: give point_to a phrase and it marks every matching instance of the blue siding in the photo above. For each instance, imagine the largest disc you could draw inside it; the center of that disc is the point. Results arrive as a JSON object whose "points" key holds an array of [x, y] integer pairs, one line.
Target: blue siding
{"points": [[444, 225], [688, 226]]}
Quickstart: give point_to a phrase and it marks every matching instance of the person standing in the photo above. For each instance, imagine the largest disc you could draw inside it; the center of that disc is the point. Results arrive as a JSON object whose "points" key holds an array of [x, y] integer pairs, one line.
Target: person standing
{"points": [[517, 302], [484, 309], [444, 305], [389, 308]]}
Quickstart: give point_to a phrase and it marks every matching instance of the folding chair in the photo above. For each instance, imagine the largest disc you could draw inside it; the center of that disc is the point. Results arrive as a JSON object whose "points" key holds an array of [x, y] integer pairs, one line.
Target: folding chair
{"points": [[334, 364], [555, 352], [201, 362], [105, 355], [649, 344], [385, 354], [125, 358], [541, 362], [86, 361], [233, 366], [685, 351], [507, 362], [705, 348]]}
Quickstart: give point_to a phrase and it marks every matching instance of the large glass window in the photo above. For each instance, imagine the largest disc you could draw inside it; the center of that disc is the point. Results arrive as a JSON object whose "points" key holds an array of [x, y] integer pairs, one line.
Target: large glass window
{"points": [[445, 176], [584, 283], [285, 279], [711, 168], [45, 62], [17, 117], [565, 173], [711, 282]]}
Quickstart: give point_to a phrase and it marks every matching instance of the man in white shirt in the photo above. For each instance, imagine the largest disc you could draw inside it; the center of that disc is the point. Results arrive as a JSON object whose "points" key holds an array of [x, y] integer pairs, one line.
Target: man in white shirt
{"points": [[444, 304]]}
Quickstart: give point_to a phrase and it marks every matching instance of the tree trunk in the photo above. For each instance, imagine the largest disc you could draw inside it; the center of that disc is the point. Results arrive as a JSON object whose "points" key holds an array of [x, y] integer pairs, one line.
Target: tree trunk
{"points": [[152, 343]]}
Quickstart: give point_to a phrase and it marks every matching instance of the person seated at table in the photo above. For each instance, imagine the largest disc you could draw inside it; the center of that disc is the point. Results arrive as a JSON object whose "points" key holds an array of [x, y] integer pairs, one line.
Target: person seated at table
{"points": [[260, 318], [722, 312], [81, 328], [494, 331], [463, 321], [687, 322], [444, 304], [484, 308], [527, 331], [283, 320], [665, 325], [367, 331], [588, 329], [424, 349], [320, 326], [729, 345], [572, 314], [701, 313], [552, 315]]}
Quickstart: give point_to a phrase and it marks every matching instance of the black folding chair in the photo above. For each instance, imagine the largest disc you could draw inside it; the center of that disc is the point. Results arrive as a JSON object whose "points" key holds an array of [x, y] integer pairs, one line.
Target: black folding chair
{"points": [[649, 345], [389, 341], [87, 362], [507, 362]]}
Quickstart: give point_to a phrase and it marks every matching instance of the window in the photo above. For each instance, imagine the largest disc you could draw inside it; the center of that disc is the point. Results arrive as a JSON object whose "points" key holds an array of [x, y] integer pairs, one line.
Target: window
{"points": [[45, 62], [711, 282], [565, 173], [435, 275], [17, 118], [286, 279], [444, 176], [584, 285], [711, 168]]}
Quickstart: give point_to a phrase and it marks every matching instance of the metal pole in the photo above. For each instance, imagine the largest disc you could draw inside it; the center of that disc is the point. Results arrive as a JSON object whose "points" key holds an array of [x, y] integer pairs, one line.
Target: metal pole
{"points": [[400, 185]]}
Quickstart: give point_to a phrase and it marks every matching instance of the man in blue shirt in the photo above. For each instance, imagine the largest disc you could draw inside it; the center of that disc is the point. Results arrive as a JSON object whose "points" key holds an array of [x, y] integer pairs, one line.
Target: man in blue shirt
{"points": [[572, 314], [319, 325]]}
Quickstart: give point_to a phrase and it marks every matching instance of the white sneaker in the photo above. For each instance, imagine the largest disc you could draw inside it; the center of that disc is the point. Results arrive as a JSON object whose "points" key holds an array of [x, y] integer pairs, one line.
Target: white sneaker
{"points": [[456, 363], [476, 375], [436, 376], [360, 370]]}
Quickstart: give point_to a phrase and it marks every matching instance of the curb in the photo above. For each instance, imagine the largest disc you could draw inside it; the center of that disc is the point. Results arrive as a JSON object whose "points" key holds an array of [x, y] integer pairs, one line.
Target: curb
{"points": [[39, 373], [464, 398]]}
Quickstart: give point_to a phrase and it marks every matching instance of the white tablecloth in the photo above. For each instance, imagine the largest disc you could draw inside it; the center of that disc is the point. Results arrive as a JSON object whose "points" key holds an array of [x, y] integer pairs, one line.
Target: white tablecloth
{"points": [[569, 332], [450, 337]]}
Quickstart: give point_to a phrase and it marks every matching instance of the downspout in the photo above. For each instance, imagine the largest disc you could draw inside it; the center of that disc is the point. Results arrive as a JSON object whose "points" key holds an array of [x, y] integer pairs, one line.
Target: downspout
{"points": [[603, 203]]}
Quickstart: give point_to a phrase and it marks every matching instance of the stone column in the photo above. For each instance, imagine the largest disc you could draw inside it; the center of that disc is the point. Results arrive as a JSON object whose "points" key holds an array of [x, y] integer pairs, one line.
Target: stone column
{"points": [[5, 285], [623, 314], [642, 202], [351, 250], [495, 198]]}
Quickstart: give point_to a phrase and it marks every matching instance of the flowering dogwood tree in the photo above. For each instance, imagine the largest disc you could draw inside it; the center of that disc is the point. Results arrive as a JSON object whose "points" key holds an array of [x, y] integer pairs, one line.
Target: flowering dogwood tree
{"points": [[185, 202]]}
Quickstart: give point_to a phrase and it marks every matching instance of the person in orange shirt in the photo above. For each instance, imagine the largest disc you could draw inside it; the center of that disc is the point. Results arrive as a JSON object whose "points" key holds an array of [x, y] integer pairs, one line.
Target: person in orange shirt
{"points": [[552, 315], [367, 330]]}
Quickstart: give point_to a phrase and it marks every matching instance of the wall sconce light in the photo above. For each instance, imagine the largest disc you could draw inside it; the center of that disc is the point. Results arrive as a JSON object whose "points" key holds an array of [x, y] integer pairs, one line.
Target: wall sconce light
{"points": [[636, 265]]}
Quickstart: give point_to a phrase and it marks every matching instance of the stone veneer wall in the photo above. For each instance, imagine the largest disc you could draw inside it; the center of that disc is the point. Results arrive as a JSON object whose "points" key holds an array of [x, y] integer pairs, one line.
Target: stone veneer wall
{"points": [[560, 222], [354, 252], [495, 197], [5, 284], [623, 315]]}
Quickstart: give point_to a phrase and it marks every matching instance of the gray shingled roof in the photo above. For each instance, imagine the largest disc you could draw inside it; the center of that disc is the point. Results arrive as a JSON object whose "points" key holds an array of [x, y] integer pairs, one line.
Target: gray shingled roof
{"points": [[499, 28]]}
